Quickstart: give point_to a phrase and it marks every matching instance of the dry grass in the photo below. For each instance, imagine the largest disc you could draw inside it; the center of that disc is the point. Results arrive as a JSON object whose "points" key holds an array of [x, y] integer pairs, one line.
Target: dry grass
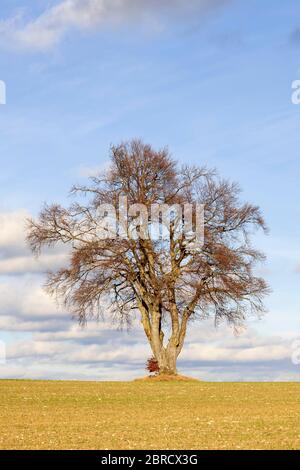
{"points": [[166, 378], [149, 415]]}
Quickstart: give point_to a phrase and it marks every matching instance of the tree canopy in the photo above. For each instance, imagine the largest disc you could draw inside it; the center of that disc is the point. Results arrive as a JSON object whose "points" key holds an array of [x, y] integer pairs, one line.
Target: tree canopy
{"points": [[168, 281]]}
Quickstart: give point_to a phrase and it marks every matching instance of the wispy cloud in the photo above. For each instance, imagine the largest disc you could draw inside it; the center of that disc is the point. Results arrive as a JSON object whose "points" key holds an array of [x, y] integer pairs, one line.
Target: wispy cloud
{"points": [[52, 25], [90, 171]]}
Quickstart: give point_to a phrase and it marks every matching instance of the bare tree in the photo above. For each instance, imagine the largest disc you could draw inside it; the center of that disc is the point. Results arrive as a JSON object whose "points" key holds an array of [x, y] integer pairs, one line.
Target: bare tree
{"points": [[166, 281]]}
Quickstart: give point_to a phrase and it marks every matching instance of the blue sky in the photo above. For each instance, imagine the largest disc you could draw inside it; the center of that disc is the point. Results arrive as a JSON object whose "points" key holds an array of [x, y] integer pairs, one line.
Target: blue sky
{"points": [[213, 82]]}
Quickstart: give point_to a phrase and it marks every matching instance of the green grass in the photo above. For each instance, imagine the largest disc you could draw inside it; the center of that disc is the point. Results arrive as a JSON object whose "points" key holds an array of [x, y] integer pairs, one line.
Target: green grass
{"points": [[143, 415]]}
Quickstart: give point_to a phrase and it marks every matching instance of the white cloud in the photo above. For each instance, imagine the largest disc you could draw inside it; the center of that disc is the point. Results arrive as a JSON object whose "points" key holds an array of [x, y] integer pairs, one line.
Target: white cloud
{"points": [[15, 256], [36, 349], [12, 229], [16, 324], [222, 352], [50, 27], [29, 264], [27, 299]]}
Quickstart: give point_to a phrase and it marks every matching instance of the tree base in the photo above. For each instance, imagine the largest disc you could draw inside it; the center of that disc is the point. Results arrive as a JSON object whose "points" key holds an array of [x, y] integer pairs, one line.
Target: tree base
{"points": [[167, 378]]}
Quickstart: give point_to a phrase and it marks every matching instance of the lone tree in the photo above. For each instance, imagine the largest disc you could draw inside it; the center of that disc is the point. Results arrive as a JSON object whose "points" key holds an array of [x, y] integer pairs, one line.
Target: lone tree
{"points": [[164, 279]]}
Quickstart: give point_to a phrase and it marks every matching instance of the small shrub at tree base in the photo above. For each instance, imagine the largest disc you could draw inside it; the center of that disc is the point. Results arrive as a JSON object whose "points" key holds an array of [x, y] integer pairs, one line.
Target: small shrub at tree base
{"points": [[152, 366]]}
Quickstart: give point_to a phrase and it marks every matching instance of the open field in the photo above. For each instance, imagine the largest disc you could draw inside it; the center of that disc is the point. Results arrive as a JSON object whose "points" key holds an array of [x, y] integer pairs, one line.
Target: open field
{"points": [[144, 415]]}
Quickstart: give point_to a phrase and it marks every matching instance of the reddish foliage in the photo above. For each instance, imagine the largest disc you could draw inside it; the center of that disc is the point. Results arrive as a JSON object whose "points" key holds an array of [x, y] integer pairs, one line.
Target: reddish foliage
{"points": [[152, 365]]}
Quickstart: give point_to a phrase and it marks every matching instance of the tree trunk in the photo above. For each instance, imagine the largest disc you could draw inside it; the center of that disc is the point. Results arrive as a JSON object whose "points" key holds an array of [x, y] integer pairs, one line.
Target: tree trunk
{"points": [[167, 361], [166, 356]]}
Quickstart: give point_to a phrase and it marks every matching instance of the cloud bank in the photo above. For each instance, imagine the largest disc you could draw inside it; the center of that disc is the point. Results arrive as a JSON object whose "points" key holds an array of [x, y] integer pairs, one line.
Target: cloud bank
{"points": [[52, 25], [42, 341], [15, 256]]}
